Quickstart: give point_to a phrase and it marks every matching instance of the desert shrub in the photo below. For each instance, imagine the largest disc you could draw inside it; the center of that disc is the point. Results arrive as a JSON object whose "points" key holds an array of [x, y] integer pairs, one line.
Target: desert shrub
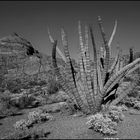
{"points": [[32, 83], [21, 125], [36, 83], [12, 111], [115, 113], [128, 101], [115, 116], [34, 116], [106, 121], [128, 79], [119, 108], [42, 83], [14, 86], [39, 133], [5, 98], [102, 124], [134, 93], [29, 134], [6, 109], [53, 86], [38, 116], [137, 105], [24, 125], [26, 101]]}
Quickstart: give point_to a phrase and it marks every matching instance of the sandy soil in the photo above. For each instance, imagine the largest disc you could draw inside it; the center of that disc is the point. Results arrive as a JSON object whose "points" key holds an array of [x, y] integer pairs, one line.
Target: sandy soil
{"points": [[74, 127]]}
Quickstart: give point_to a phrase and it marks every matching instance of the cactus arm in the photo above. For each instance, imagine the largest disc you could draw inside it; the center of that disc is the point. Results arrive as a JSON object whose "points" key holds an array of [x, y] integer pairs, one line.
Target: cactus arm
{"points": [[60, 78], [80, 89], [57, 49], [119, 75], [124, 93], [95, 63], [70, 69], [118, 66], [131, 55], [102, 56], [121, 64], [127, 89], [70, 72], [99, 74], [83, 70], [82, 46], [113, 34], [88, 67], [114, 63], [107, 57], [111, 37]]}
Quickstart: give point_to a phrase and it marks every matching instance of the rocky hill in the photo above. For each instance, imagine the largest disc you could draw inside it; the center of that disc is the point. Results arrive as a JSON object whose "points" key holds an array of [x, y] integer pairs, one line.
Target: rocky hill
{"points": [[20, 61]]}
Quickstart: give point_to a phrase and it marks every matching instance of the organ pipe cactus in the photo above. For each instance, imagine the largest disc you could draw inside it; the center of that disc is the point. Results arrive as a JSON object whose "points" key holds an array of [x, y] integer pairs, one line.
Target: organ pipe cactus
{"points": [[95, 83], [131, 55]]}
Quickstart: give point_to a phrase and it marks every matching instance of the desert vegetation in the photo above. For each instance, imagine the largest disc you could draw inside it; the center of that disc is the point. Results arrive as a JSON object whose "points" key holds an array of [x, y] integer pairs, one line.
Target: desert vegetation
{"points": [[46, 95]]}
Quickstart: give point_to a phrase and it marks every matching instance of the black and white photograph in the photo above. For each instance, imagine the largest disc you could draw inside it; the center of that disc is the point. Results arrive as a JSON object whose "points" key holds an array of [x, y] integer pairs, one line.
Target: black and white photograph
{"points": [[69, 70]]}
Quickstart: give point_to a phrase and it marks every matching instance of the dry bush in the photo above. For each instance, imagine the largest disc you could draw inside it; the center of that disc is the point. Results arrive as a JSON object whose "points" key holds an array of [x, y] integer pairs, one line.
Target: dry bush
{"points": [[137, 105], [115, 114], [102, 124], [53, 86], [106, 121], [34, 117], [6, 109]]}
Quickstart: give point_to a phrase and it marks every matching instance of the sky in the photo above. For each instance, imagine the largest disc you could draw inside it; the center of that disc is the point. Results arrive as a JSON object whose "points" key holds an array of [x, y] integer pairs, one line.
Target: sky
{"points": [[31, 19]]}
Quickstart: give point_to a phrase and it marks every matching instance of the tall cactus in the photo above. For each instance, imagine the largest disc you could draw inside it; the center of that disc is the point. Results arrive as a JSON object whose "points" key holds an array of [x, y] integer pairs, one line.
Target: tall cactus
{"points": [[131, 55], [96, 83]]}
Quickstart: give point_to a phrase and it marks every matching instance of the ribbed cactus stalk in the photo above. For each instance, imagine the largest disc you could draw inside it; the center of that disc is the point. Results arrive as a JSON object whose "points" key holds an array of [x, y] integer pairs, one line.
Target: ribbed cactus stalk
{"points": [[95, 83], [131, 55]]}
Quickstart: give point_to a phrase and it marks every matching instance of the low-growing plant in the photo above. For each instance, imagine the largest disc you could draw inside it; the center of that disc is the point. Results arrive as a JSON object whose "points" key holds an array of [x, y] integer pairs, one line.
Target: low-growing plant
{"points": [[115, 116], [102, 124], [29, 134], [129, 101], [53, 86], [6, 109], [137, 105], [115, 113], [38, 116], [119, 108], [106, 120], [33, 118], [12, 111], [21, 125], [14, 86]]}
